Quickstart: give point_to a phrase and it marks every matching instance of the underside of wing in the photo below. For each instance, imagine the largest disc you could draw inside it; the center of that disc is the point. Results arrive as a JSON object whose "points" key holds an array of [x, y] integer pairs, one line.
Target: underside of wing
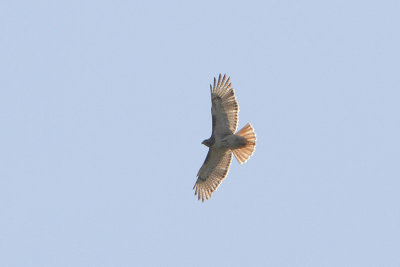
{"points": [[225, 108], [214, 170]]}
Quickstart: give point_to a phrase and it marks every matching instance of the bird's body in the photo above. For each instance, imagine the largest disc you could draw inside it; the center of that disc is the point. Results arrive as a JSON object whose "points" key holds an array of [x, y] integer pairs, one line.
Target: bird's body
{"points": [[228, 141], [223, 141]]}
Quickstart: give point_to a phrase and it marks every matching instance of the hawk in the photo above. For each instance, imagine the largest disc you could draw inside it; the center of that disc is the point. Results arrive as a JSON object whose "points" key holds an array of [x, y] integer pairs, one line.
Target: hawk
{"points": [[223, 141]]}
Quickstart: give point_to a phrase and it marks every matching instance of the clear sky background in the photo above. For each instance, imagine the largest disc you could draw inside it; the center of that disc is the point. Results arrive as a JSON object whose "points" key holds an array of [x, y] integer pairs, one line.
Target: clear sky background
{"points": [[104, 106]]}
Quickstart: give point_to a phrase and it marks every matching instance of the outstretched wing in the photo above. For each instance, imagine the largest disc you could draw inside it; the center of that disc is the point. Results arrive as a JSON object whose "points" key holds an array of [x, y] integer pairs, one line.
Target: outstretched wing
{"points": [[214, 170], [224, 109]]}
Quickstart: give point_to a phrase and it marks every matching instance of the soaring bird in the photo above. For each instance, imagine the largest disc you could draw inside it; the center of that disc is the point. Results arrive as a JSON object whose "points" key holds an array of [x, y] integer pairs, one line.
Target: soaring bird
{"points": [[223, 141]]}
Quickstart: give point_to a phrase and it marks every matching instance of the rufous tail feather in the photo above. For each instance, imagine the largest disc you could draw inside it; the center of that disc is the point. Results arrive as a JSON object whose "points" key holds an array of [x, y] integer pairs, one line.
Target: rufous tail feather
{"points": [[242, 154]]}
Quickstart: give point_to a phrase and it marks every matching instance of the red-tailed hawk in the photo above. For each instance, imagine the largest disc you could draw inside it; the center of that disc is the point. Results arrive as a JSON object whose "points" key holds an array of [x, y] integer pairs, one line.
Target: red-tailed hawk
{"points": [[223, 141]]}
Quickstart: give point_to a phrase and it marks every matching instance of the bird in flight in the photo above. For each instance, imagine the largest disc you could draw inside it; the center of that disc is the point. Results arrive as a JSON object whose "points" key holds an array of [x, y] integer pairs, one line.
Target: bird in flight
{"points": [[223, 141]]}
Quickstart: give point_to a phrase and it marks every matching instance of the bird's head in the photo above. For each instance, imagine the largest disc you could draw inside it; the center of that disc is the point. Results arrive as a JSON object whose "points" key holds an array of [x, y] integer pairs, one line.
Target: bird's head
{"points": [[208, 142]]}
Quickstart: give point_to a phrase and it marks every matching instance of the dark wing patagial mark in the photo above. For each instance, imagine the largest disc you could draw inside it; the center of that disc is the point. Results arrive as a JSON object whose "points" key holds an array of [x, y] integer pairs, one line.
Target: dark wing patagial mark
{"points": [[214, 122], [207, 158]]}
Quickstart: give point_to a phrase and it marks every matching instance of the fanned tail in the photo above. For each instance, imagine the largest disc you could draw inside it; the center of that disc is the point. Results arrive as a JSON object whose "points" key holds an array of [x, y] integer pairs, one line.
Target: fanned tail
{"points": [[243, 153]]}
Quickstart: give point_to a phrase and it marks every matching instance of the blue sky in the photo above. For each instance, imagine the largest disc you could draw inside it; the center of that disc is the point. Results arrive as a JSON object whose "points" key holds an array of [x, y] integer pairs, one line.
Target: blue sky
{"points": [[104, 105]]}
